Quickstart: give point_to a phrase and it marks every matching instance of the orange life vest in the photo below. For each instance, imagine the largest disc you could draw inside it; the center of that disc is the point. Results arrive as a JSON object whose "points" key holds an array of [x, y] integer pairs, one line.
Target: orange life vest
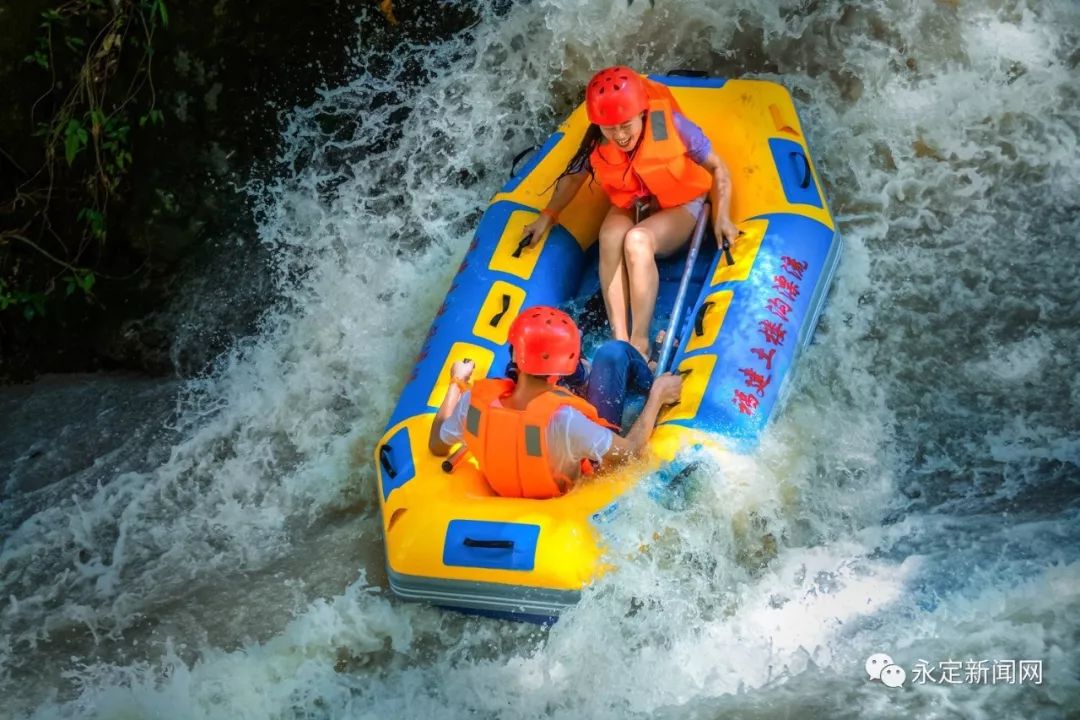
{"points": [[660, 167], [510, 446]]}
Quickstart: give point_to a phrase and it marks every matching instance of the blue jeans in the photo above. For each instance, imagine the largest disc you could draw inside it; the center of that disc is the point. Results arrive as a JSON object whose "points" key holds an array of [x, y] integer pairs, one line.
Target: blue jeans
{"points": [[617, 368]]}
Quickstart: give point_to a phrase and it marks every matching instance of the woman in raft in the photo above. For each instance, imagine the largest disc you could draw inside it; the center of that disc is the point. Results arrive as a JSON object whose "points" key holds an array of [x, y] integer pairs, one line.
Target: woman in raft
{"points": [[657, 168]]}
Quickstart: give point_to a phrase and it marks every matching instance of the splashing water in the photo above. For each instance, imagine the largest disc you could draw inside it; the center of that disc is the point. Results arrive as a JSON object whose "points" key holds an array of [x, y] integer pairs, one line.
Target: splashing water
{"points": [[919, 495]]}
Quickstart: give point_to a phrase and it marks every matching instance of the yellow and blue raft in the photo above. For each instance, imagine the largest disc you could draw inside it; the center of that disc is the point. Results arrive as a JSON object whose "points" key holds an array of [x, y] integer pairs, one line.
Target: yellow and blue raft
{"points": [[449, 539]]}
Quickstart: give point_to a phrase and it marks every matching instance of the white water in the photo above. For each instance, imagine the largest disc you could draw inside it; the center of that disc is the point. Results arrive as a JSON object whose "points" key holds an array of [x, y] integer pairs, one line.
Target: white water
{"points": [[921, 488]]}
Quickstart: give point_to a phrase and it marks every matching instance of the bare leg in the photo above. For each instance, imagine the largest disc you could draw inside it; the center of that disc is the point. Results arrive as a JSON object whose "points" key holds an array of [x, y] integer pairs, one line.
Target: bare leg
{"points": [[658, 235], [613, 277]]}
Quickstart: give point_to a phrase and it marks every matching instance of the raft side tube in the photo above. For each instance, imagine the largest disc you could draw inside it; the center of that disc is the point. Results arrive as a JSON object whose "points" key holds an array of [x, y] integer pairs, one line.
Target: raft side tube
{"points": [[752, 319]]}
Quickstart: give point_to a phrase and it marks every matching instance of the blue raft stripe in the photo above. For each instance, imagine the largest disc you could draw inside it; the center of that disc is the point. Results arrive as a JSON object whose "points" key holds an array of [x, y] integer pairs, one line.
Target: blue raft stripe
{"points": [[554, 280], [517, 553], [535, 160], [793, 165], [396, 462], [755, 300], [689, 82]]}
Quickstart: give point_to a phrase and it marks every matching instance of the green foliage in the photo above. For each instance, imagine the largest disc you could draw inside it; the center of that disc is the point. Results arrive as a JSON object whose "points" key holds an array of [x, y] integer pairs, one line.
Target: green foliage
{"points": [[32, 304], [38, 57], [75, 137], [95, 221], [154, 117], [41, 56], [82, 45], [115, 143], [81, 280], [159, 8]]}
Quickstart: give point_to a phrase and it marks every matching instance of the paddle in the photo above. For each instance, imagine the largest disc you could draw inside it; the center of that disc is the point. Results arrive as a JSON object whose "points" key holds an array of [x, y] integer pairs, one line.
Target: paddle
{"points": [[668, 345]]}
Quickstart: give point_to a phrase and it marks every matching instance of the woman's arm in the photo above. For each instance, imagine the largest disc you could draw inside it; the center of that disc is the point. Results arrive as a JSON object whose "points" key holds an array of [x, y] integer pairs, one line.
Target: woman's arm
{"points": [[565, 190], [720, 196]]}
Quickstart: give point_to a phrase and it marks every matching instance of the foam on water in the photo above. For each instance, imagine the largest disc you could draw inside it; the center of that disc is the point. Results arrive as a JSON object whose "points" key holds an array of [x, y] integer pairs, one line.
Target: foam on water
{"points": [[917, 497]]}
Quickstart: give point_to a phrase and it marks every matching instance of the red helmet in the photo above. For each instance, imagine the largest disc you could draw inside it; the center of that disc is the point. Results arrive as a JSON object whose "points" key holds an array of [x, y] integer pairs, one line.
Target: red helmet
{"points": [[614, 95], [546, 341]]}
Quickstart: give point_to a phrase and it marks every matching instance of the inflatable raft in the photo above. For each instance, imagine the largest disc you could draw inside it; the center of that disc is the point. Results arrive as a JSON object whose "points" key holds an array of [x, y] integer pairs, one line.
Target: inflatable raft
{"points": [[449, 539]]}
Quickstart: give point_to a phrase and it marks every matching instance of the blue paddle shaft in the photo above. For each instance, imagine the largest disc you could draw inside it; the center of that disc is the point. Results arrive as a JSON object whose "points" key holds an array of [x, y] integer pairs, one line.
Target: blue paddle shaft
{"points": [[668, 346]]}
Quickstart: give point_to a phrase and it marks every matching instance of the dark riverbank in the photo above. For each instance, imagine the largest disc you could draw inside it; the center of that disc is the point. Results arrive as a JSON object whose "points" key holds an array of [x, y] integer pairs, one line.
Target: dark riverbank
{"points": [[182, 273]]}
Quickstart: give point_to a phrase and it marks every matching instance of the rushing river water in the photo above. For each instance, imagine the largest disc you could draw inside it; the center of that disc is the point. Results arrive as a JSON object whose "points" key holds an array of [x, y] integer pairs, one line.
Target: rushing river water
{"points": [[211, 548]]}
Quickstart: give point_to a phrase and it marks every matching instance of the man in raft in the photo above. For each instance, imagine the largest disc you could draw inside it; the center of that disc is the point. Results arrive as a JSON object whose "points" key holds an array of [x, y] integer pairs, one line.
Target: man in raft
{"points": [[532, 438]]}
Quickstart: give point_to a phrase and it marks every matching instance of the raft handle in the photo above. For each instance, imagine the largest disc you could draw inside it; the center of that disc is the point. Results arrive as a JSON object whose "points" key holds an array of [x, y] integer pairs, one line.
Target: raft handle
{"points": [[725, 248], [387, 461], [518, 158], [805, 167], [699, 321], [499, 315], [496, 544], [687, 72], [521, 246]]}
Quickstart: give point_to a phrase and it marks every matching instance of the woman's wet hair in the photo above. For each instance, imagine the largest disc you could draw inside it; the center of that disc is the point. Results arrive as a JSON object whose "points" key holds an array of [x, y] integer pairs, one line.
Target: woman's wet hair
{"points": [[580, 160]]}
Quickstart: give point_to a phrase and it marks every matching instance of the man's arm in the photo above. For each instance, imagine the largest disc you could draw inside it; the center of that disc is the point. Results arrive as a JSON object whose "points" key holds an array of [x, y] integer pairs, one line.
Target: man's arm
{"points": [[461, 371], [666, 390]]}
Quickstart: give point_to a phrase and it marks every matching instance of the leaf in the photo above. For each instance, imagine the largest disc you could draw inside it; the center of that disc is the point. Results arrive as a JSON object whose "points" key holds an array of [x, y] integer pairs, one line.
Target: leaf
{"points": [[97, 120], [75, 138], [154, 117], [159, 6], [38, 57], [95, 220], [86, 281]]}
